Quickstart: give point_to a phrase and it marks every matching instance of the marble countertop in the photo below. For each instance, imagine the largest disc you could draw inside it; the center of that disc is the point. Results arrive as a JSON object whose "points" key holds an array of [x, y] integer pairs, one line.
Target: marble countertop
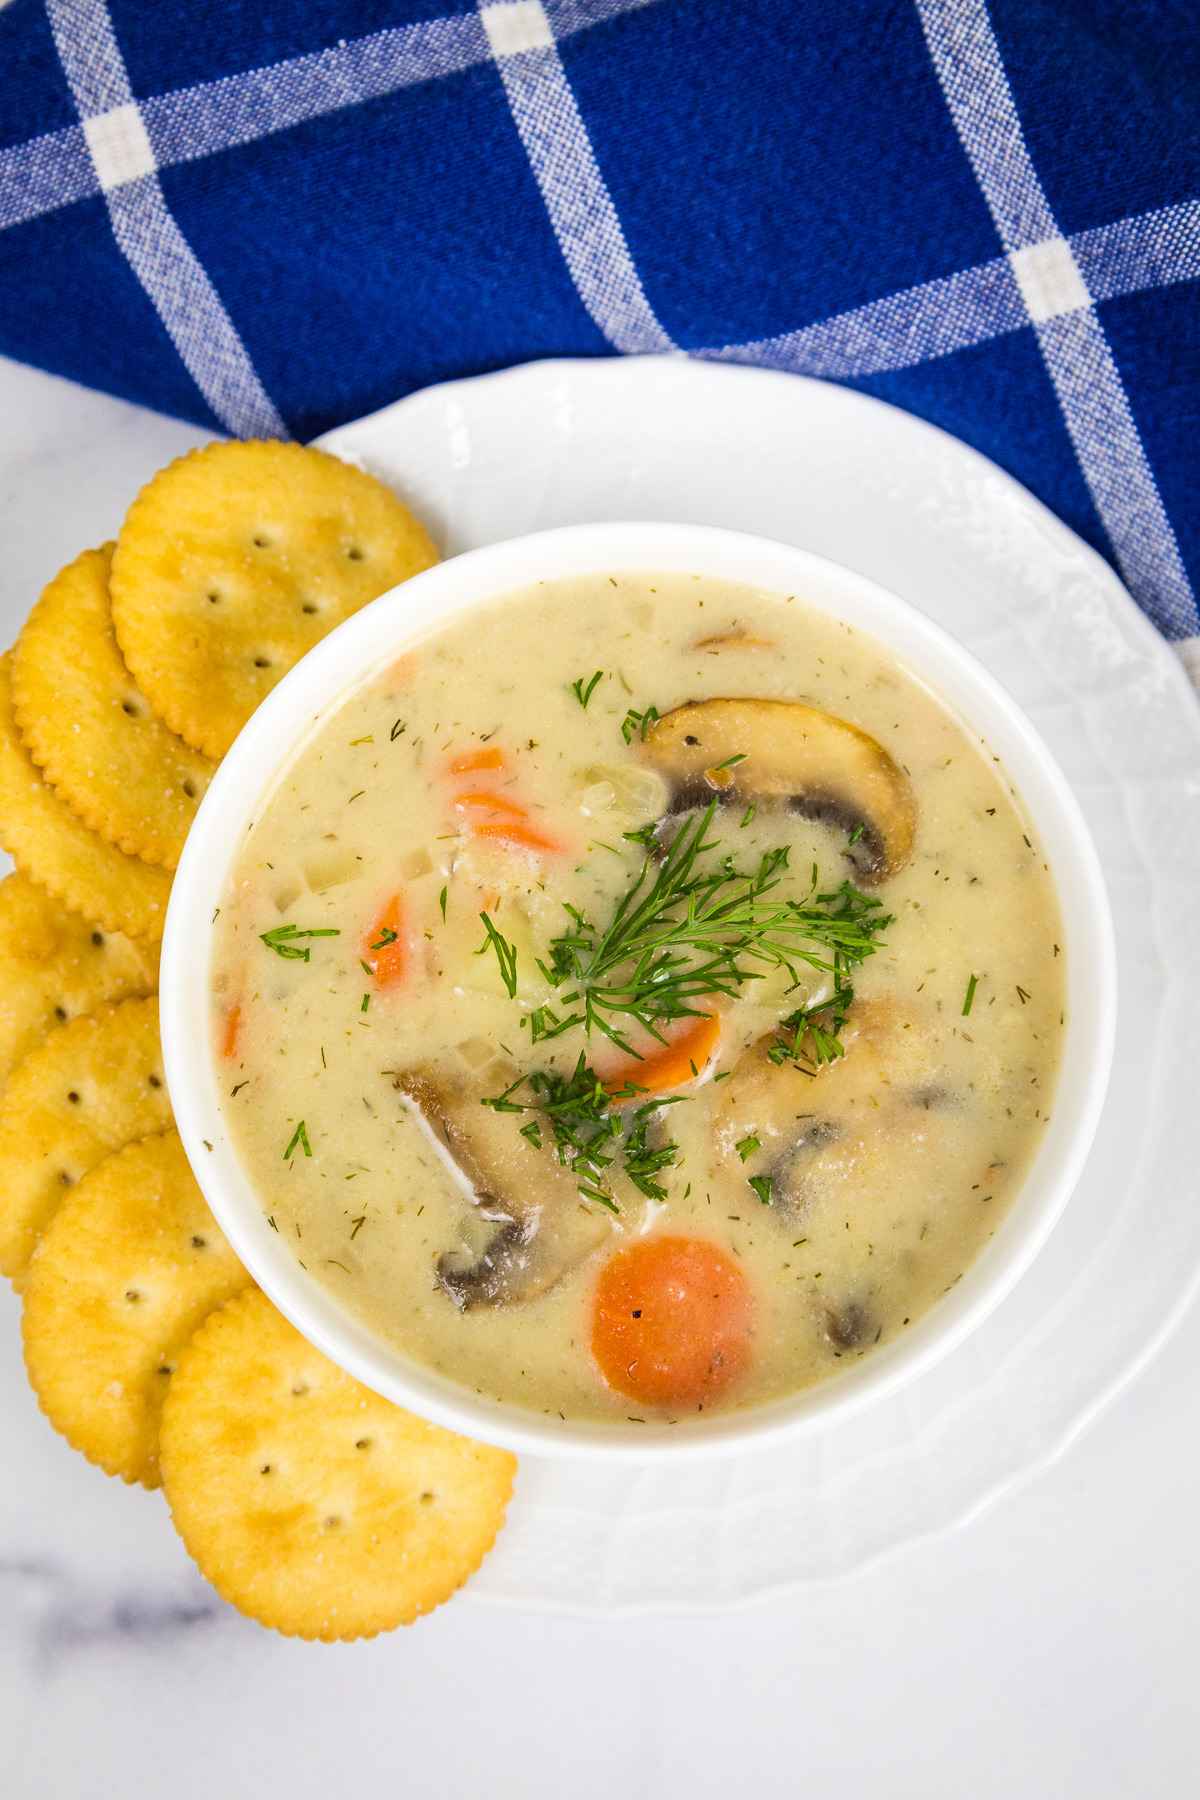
{"points": [[1043, 1649]]}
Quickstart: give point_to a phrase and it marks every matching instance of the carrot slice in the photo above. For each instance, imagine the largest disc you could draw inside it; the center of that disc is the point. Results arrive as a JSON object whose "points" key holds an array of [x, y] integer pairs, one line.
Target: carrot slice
{"points": [[490, 758], [670, 1065], [231, 1030], [672, 1321], [511, 831], [385, 950], [496, 803]]}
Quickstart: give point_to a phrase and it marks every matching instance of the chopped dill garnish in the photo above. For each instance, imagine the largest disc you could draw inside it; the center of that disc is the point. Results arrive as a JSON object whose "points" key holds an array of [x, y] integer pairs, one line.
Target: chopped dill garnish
{"points": [[506, 955], [442, 903], [747, 816], [688, 928], [730, 762], [386, 936], [855, 834], [366, 1001], [639, 722], [583, 691], [763, 1188], [398, 730], [284, 940], [299, 1138], [590, 1132], [969, 997]]}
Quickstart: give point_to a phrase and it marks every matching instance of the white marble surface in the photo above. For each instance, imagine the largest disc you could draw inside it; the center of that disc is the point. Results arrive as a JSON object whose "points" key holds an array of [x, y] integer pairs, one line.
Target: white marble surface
{"points": [[1044, 1649]]}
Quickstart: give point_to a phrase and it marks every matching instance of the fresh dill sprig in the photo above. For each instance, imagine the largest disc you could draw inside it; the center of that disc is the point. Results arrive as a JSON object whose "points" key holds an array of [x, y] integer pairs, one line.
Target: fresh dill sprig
{"points": [[506, 955], [590, 1133], [639, 722], [813, 1034], [583, 690], [689, 927], [298, 1140], [284, 940]]}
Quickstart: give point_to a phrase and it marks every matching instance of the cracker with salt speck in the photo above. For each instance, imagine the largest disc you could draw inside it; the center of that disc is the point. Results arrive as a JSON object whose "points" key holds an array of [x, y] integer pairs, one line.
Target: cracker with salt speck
{"points": [[91, 1087], [55, 965], [309, 1502], [235, 560], [130, 1266], [49, 843], [90, 731]]}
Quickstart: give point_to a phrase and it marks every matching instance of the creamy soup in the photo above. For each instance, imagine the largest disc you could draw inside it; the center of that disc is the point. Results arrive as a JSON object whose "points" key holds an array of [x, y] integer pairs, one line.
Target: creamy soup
{"points": [[642, 997]]}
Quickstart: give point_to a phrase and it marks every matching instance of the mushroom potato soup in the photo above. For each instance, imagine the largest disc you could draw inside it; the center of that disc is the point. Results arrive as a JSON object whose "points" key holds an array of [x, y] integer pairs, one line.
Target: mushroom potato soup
{"points": [[642, 997]]}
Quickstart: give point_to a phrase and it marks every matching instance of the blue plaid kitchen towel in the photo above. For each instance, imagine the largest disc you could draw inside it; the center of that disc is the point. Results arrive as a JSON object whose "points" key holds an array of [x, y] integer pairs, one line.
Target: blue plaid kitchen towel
{"points": [[268, 216]]}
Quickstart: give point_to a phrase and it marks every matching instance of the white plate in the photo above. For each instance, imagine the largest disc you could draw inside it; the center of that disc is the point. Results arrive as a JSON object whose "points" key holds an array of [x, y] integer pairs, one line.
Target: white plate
{"points": [[870, 487], [844, 475]]}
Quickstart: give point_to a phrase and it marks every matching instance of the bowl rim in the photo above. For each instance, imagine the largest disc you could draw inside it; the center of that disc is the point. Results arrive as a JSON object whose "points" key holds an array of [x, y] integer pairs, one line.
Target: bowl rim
{"points": [[358, 648]]}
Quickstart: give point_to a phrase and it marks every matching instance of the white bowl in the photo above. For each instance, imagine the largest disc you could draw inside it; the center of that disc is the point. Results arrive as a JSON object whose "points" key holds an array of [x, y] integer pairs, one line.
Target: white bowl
{"points": [[371, 640]]}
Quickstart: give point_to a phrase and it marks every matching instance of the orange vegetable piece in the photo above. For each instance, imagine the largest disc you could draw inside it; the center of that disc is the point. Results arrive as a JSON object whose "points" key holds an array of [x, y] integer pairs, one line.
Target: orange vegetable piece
{"points": [[491, 757], [511, 831], [672, 1321], [491, 802], [388, 960], [231, 1030], [670, 1065]]}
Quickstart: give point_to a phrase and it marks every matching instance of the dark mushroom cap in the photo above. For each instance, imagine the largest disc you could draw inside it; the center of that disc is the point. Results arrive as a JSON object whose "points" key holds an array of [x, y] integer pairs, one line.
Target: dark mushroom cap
{"points": [[794, 756]]}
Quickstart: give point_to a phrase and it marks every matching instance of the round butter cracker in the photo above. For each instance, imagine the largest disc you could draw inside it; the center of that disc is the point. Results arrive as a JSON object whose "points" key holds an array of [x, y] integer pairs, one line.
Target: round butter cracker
{"points": [[131, 1264], [90, 731], [49, 843], [235, 560], [55, 965], [310, 1503], [93, 1086]]}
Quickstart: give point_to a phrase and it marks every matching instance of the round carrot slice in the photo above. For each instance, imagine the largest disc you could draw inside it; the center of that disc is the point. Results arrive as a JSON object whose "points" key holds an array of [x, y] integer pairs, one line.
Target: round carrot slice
{"points": [[672, 1321]]}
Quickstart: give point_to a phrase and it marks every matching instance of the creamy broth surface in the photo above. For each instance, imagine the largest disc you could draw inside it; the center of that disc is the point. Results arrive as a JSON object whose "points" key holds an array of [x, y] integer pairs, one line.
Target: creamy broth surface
{"points": [[881, 1175]]}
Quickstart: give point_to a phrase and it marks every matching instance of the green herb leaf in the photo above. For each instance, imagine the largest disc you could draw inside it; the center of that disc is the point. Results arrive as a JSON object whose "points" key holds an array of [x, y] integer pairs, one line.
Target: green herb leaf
{"points": [[299, 1138], [582, 692], [284, 940], [442, 903], [762, 1187], [386, 936], [639, 722], [746, 1147], [689, 927], [969, 998], [506, 955]]}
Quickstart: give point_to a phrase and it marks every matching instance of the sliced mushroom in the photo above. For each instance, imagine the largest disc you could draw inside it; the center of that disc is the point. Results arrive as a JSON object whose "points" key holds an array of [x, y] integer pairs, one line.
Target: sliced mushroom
{"points": [[540, 1229], [844, 1122], [810, 762]]}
